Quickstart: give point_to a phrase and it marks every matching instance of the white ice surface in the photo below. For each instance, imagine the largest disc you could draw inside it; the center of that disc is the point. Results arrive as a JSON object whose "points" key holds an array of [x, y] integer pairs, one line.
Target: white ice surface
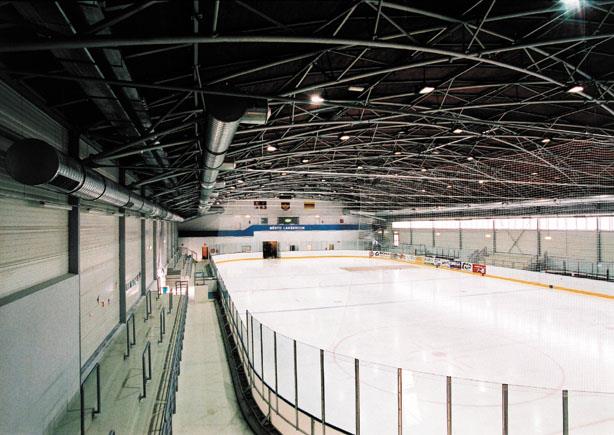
{"points": [[431, 323]]}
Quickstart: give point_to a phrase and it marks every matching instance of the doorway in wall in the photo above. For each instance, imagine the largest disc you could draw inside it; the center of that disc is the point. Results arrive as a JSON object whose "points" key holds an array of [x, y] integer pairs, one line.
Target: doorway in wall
{"points": [[293, 248], [270, 250]]}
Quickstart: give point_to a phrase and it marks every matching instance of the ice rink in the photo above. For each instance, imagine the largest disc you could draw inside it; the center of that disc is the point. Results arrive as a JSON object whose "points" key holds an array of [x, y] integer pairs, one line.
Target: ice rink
{"points": [[432, 323]]}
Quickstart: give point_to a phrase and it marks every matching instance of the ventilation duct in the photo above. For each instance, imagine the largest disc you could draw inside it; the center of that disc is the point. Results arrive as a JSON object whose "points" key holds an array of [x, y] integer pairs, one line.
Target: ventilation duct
{"points": [[34, 162], [224, 114]]}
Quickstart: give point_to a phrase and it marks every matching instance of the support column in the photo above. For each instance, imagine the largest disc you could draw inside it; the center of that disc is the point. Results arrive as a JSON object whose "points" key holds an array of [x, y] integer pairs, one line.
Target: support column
{"points": [[74, 233], [599, 243], [494, 237], [460, 237], [143, 257], [539, 239], [122, 257], [155, 249]]}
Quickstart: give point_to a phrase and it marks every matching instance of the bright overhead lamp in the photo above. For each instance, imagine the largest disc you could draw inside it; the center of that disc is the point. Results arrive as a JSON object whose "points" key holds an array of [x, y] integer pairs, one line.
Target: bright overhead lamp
{"points": [[533, 173], [305, 160], [449, 186], [423, 170], [470, 158], [316, 99], [481, 181], [359, 167], [545, 140], [271, 148], [284, 173], [572, 4], [356, 88], [426, 90], [575, 89], [397, 153], [457, 131], [232, 187], [344, 137], [423, 190], [435, 152], [240, 181]]}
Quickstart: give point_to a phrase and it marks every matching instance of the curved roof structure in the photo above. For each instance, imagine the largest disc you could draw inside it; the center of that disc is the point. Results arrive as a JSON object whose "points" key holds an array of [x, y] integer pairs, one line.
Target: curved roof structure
{"points": [[379, 104]]}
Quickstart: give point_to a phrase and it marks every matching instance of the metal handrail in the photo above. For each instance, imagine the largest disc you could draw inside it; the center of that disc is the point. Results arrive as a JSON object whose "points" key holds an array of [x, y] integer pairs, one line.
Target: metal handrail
{"points": [[82, 397], [146, 375], [170, 404], [130, 342]]}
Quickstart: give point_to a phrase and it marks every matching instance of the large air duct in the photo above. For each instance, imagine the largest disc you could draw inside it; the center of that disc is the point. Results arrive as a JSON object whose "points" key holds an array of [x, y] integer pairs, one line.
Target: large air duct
{"points": [[35, 162], [224, 114]]}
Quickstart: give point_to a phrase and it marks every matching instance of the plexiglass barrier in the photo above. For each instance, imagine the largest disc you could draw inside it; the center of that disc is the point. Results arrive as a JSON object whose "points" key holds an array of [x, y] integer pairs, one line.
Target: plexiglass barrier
{"points": [[304, 389]]}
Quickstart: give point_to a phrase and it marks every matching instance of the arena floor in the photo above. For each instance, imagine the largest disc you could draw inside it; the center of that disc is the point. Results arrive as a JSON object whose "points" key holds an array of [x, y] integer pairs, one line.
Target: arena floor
{"points": [[432, 323]]}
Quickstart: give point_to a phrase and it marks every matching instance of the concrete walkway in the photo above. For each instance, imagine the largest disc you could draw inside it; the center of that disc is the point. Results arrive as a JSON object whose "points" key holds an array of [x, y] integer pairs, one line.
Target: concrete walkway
{"points": [[206, 402]]}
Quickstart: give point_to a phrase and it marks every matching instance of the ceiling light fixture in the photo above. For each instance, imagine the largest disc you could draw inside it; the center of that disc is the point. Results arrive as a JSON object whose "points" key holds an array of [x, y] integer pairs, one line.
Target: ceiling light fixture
{"points": [[344, 137], [470, 158], [545, 140], [449, 186], [271, 148], [240, 181], [397, 153], [533, 173], [356, 88], [423, 170], [359, 167], [316, 99], [481, 181], [572, 4], [305, 160], [284, 173], [575, 89], [426, 90], [457, 131]]}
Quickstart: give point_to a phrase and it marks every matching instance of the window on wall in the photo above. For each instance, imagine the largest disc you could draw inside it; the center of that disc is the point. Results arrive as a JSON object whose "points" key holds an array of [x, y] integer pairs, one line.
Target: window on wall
{"points": [[264, 220], [395, 238], [587, 223], [281, 220]]}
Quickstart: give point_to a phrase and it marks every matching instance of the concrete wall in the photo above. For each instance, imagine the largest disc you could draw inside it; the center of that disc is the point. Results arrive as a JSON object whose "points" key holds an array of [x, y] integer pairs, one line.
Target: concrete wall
{"points": [[39, 361], [581, 245], [242, 214], [47, 316]]}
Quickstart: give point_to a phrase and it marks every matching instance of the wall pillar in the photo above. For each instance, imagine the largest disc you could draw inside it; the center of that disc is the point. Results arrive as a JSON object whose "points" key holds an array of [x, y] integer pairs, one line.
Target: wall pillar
{"points": [[155, 249], [143, 257], [539, 239], [599, 243], [122, 256]]}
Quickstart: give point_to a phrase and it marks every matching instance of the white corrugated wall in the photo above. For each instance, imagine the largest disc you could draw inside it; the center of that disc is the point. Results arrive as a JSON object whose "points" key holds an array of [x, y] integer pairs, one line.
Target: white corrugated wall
{"points": [[99, 269], [133, 260], [162, 240], [149, 268], [33, 244]]}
